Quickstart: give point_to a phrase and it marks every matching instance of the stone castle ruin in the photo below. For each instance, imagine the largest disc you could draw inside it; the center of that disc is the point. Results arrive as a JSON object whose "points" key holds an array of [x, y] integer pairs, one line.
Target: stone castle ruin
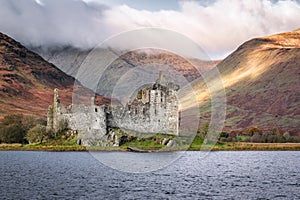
{"points": [[153, 110]]}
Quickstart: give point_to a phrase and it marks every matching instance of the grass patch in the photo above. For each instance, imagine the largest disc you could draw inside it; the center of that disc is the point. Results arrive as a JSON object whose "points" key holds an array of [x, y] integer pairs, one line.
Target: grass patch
{"points": [[196, 144], [154, 143], [241, 138], [150, 142], [143, 143], [51, 145]]}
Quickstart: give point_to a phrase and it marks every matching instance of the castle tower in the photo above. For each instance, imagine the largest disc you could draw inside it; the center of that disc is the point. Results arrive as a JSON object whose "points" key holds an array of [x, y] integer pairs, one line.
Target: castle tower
{"points": [[162, 80], [52, 112], [56, 99], [92, 101]]}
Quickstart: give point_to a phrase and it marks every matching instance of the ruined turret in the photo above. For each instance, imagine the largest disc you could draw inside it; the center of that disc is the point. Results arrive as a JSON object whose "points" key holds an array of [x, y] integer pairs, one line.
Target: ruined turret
{"points": [[154, 110], [92, 101], [162, 80], [76, 117], [52, 118], [51, 114], [56, 99]]}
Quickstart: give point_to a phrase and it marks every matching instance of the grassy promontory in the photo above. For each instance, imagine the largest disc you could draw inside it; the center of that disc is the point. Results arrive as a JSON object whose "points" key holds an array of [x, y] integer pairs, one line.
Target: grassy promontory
{"points": [[232, 146]]}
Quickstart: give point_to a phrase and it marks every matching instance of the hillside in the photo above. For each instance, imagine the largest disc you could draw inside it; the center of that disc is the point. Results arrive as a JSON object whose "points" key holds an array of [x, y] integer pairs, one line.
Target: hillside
{"points": [[262, 84], [27, 80], [261, 79], [69, 59]]}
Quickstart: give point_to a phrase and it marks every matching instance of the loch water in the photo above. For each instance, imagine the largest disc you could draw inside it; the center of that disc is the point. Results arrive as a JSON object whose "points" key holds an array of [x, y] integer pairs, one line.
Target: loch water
{"points": [[219, 175]]}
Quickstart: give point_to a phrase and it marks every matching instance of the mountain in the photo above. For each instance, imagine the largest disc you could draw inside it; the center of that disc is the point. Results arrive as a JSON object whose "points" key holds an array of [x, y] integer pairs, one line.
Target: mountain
{"points": [[262, 84], [261, 80], [69, 59], [27, 80]]}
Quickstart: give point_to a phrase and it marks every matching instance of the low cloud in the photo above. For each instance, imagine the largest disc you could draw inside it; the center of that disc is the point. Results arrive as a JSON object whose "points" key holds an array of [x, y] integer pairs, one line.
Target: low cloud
{"points": [[219, 27]]}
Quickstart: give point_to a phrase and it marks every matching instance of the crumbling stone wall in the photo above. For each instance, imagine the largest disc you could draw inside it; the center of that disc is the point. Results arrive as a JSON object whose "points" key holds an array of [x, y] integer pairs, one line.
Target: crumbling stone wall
{"points": [[77, 117], [154, 110]]}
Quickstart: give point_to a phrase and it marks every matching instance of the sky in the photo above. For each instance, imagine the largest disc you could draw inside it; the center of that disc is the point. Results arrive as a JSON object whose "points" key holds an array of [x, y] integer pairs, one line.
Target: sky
{"points": [[218, 26]]}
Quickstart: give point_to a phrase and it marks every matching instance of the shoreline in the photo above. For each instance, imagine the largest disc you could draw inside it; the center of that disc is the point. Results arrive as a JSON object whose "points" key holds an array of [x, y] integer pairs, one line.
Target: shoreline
{"points": [[238, 146]]}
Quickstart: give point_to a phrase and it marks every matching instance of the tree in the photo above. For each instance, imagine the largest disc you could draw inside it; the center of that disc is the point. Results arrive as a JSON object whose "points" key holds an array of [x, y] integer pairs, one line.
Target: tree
{"points": [[233, 134], [279, 138], [12, 133], [36, 134], [29, 121], [275, 131], [14, 127], [294, 139], [12, 119], [11, 129], [266, 137], [247, 139], [224, 134], [62, 128], [252, 131], [286, 136], [202, 132], [256, 138]]}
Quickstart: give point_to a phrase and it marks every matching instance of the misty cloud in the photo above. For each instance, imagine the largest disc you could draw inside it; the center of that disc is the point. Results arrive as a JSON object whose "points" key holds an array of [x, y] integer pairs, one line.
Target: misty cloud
{"points": [[218, 27], [53, 22]]}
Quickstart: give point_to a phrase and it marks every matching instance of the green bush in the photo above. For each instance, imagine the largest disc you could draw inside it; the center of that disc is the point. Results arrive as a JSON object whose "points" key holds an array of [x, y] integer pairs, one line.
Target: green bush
{"points": [[36, 134]]}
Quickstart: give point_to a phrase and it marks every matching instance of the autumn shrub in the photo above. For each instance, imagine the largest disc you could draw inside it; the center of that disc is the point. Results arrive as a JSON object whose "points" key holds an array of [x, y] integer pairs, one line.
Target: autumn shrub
{"points": [[252, 131]]}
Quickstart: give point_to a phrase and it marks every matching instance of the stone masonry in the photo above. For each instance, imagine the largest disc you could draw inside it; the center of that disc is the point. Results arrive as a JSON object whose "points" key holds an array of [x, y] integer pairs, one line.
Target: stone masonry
{"points": [[153, 110]]}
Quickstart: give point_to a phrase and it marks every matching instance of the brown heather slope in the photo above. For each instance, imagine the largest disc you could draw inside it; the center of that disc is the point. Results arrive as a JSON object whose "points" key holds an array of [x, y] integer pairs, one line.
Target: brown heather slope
{"points": [[262, 84], [161, 57], [27, 80], [147, 63]]}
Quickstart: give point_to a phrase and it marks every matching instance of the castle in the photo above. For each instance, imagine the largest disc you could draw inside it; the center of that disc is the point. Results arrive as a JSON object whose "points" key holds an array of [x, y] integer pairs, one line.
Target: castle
{"points": [[153, 110]]}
